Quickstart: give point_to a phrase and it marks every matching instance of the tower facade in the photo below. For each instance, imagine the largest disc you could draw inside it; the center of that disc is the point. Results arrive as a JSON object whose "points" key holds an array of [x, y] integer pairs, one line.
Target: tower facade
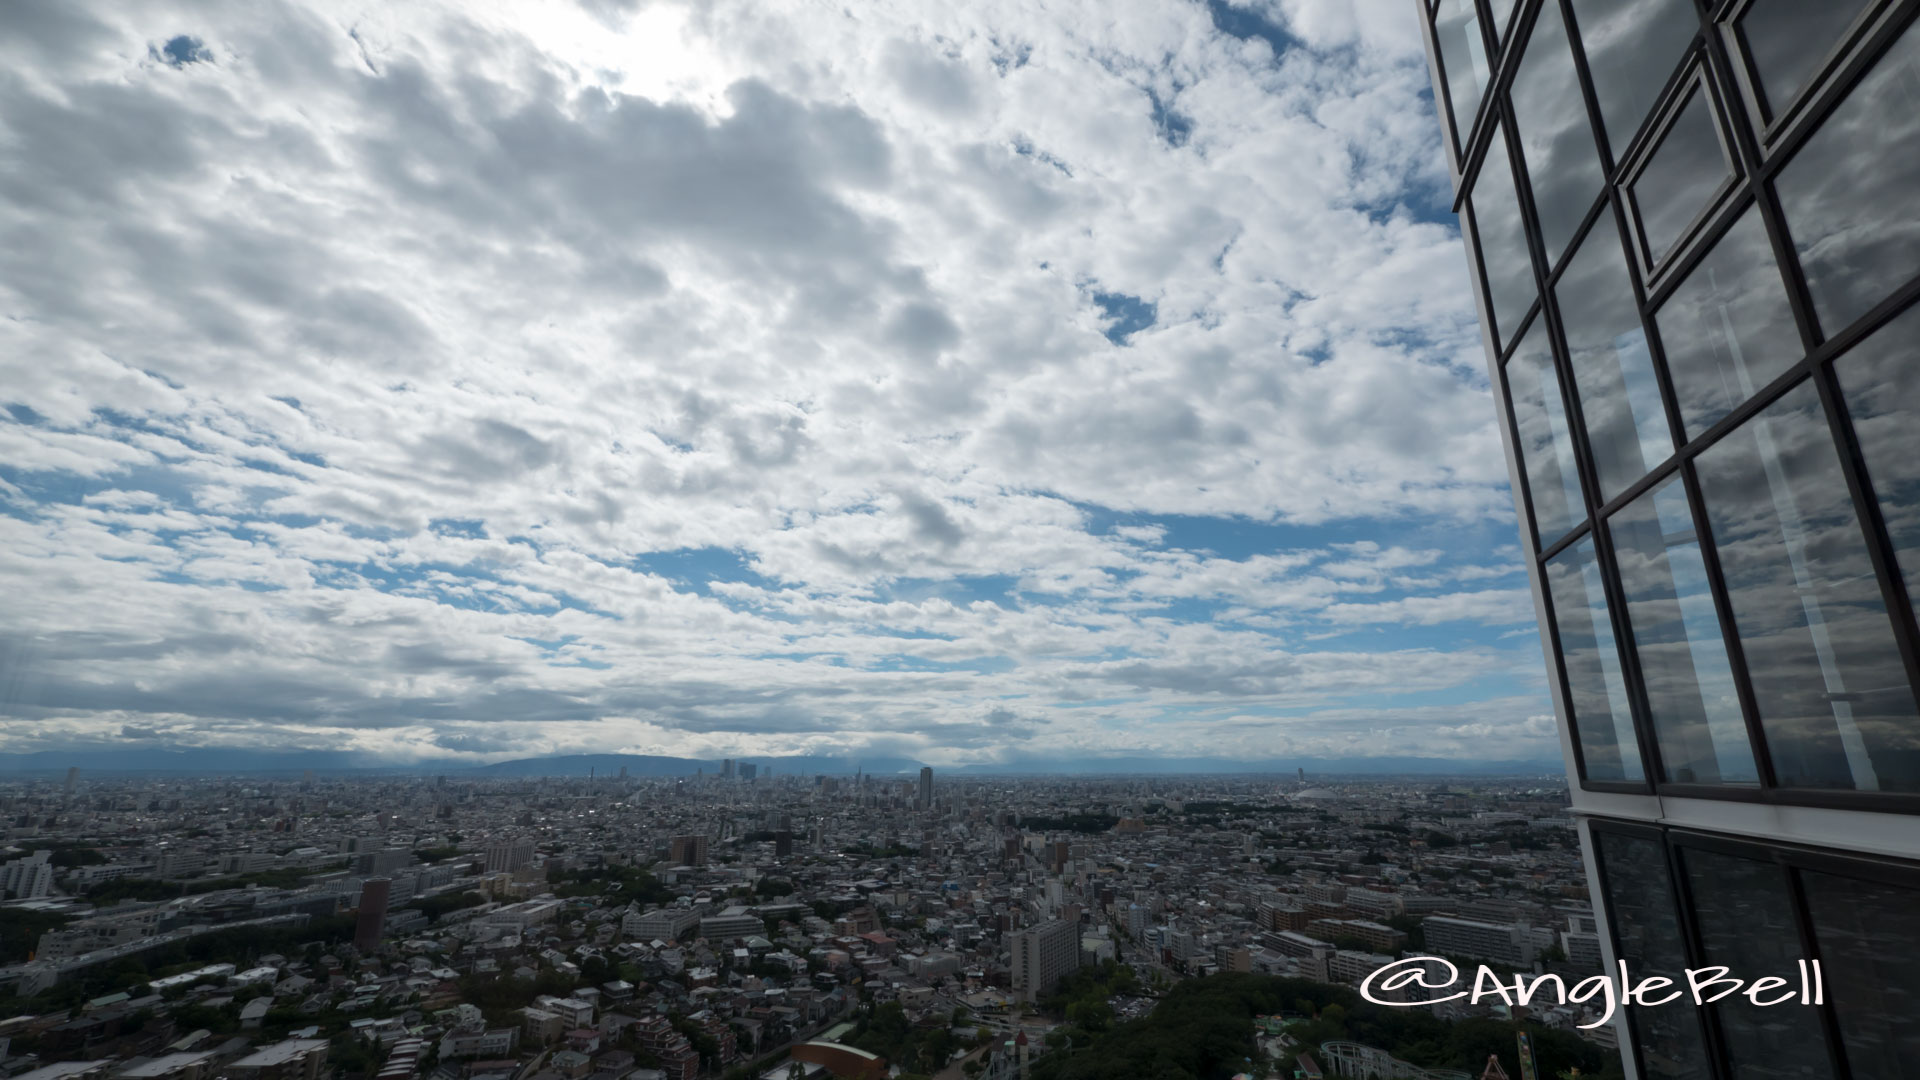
{"points": [[371, 920], [1041, 955], [924, 796], [1694, 237]]}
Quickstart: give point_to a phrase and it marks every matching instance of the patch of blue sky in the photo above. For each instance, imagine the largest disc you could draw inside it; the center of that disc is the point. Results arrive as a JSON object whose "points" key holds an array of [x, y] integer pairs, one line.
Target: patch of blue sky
{"points": [[698, 568], [1128, 314], [1248, 24], [904, 633], [985, 665], [1173, 126], [466, 528], [962, 589], [1238, 538], [459, 586], [66, 488]]}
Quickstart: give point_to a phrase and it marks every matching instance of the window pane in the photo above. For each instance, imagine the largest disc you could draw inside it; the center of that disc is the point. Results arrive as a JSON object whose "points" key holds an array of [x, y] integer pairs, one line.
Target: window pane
{"points": [[1556, 140], [1597, 693], [1832, 692], [1868, 934], [1676, 634], [1619, 396], [1727, 329], [1852, 194], [1787, 39], [1544, 439], [1456, 28], [1632, 48], [1883, 398], [1745, 915], [1503, 244], [1685, 170], [1640, 907]]}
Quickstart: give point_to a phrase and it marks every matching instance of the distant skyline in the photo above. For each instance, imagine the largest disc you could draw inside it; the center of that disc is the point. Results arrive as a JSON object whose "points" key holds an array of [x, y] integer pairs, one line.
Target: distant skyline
{"points": [[958, 383]]}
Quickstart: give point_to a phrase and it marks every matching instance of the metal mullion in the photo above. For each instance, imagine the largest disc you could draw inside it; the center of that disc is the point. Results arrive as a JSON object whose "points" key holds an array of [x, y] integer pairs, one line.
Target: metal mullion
{"points": [[1584, 77], [1594, 212], [1668, 269], [1583, 457], [1718, 1058], [1811, 114], [1573, 536], [1676, 428], [1652, 762], [1855, 54], [1866, 508], [1472, 149], [1529, 519], [1810, 949], [1634, 146], [1729, 632], [1595, 831], [1640, 713], [1712, 230], [1842, 73]]}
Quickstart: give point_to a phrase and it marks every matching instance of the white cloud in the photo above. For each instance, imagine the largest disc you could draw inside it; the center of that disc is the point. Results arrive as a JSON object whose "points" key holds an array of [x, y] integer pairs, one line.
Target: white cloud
{"points": [[360, 365]]}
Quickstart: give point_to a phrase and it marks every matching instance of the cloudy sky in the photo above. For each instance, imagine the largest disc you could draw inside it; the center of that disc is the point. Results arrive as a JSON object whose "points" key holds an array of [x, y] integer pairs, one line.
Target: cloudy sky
{"points": [[965, 381]]}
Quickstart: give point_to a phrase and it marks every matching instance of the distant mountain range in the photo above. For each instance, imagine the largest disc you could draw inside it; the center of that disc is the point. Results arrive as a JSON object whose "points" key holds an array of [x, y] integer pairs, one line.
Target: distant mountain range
{"points": [[205, 761]]}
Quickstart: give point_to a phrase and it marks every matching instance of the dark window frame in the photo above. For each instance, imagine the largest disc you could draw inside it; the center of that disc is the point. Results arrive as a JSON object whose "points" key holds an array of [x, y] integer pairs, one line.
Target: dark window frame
{"points": [[1792, 858], [1666, 113], [1712, 61]]}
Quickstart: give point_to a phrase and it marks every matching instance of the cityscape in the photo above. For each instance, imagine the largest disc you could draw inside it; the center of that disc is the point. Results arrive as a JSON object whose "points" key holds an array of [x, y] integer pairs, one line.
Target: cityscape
{"points": [[741, 924], [770, 540]]}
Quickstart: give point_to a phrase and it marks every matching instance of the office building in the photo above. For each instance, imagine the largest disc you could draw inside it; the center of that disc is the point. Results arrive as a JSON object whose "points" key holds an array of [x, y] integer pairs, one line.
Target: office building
{"points": [[1472, 940], [506, 856], [383, 862], [1041, 955], [29, 877], [1692, 231], [737, 921], [687, 851], [294, 1059], [661, 924], [525, 915], [371, 920], [924, 798]]}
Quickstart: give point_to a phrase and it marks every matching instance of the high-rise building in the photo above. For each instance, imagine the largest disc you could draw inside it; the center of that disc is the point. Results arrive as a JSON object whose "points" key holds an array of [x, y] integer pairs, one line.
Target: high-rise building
{"points": [[1041, 955], [371, 920], [924, 798], [687, 850], [1694, 236], [29, 877], [506, 856]]}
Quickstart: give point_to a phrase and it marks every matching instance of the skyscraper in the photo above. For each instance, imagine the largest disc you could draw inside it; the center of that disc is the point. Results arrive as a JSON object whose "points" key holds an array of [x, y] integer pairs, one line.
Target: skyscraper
{"points": [[1041, 955], [924, 799], [1694, 235], [371, 920]]}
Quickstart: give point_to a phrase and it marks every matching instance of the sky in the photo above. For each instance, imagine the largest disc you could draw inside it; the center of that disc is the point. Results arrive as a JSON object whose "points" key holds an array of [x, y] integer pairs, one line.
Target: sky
{"points": [[970, 382]]}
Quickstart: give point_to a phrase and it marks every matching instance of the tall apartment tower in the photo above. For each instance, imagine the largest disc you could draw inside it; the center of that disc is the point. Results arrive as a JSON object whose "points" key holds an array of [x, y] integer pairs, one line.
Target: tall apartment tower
{"points": [[1694, 236], [924, 797], [1041, 955], [371, 921], [687, 850]]}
